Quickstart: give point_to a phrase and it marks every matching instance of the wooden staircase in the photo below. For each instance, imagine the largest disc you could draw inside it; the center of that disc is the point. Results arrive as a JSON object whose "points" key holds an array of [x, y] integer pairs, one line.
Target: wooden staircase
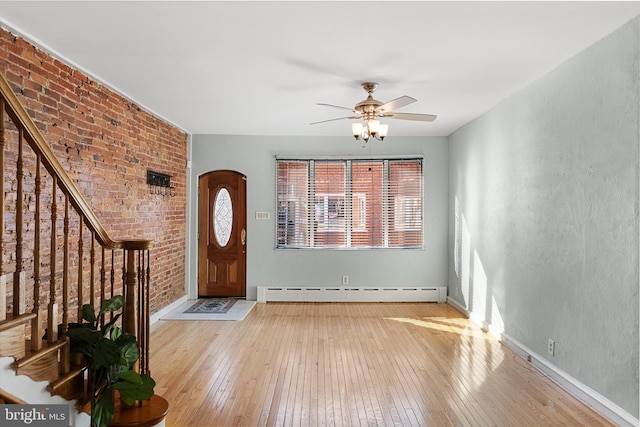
{"points": [[56, 256]]}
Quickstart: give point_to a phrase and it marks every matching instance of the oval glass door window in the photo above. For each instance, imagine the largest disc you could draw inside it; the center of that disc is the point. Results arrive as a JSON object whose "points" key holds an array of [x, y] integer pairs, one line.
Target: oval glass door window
{"points": [[222, 217]]}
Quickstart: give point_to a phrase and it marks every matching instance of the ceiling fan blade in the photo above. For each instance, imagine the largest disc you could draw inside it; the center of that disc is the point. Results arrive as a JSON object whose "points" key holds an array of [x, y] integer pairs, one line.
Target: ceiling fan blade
{"points": [[396, 103], [339, 118], [411, 116], [337, 106]]}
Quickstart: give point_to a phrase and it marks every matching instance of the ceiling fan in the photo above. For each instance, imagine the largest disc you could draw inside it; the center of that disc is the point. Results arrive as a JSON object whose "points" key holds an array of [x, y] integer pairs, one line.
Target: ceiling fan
{"points": [[370, 110]]}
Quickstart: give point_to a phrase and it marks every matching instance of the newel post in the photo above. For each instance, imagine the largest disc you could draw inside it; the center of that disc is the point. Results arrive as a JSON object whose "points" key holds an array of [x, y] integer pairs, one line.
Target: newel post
{"points": [[136, 295]]}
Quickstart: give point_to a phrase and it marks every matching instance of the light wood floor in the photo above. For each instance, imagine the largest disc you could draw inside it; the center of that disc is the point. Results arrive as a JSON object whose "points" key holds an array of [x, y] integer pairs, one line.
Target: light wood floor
{"points": [[387, 364]]}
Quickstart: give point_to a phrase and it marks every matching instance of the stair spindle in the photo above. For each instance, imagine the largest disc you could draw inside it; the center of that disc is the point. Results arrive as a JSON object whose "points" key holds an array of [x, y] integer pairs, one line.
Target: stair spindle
{"points": [[52, 316], [36, 324], [92, 271], [65, 359], [3, 280], [18, 283], [103, 280], [80, 265]]}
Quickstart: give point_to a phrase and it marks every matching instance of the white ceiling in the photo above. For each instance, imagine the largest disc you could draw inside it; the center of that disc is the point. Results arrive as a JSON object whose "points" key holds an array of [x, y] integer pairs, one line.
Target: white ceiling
{"points": [[259, 68]]}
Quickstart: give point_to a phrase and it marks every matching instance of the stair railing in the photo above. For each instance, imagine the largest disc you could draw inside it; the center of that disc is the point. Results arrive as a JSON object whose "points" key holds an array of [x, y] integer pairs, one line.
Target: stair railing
{"points": [[56, 255]]}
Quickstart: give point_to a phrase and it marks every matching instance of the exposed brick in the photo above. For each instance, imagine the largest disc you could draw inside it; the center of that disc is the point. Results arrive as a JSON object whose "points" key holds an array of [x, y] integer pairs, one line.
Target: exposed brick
{"points": [[106, 143], [37, 77]]}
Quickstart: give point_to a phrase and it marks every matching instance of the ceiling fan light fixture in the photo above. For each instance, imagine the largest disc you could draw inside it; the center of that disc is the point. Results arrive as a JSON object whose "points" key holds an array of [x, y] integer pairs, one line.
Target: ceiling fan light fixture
{"points": [[370, 109], [356, 128], [371, 128], [384, 129], [374, 127]]}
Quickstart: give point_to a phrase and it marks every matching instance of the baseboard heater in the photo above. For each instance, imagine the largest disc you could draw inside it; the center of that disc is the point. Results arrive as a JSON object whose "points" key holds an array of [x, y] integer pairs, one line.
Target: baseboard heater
{"points": [[352, 294]]}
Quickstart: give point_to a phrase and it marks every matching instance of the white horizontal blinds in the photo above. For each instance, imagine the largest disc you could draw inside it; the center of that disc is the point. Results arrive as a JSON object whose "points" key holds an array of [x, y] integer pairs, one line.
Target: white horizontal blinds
{"points": [[405, 203], [293, 204], [330, 220], [367, 203], [338, 203]]}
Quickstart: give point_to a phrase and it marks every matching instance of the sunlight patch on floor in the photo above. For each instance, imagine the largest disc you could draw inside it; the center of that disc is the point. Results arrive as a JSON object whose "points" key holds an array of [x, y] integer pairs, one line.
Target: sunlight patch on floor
{"points": [[443, 324]]}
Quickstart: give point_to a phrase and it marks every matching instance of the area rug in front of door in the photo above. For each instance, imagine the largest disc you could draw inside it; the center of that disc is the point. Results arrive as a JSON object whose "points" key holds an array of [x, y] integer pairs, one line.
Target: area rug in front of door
{"points": [[211, 306], [237, 310]]}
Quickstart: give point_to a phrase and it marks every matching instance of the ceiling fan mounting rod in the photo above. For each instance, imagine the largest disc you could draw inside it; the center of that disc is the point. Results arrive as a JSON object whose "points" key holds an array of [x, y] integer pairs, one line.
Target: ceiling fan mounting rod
{"points": [[370, 87]]}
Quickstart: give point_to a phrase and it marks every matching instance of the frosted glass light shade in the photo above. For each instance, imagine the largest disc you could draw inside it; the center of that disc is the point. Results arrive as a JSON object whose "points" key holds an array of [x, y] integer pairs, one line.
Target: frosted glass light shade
{"points": [[374, 127], [356, 128]]}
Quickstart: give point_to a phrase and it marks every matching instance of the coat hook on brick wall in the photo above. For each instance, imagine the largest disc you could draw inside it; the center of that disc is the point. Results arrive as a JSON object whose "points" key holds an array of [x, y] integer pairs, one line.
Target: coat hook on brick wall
{"points": [[159, 184]]}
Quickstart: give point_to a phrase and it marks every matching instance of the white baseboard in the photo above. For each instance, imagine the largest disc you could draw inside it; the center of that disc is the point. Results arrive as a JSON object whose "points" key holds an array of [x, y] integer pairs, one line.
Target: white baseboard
{"points": [[584, 393], [352, 294], [166, 310]]}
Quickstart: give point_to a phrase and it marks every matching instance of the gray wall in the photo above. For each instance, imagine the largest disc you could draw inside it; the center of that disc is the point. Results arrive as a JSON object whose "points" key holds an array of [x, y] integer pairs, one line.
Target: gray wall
{"points": [[543, 216], [531, 216], [254, 156]]}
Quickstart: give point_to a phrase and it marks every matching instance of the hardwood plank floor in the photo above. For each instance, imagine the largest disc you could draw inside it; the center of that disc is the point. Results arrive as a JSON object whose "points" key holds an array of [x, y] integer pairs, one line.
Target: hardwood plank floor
{"points": [[351, 364]]}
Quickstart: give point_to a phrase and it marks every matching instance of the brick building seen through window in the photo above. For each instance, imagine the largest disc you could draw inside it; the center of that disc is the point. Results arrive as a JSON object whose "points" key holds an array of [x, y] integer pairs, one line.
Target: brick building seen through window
{"points": [[350, 203]]}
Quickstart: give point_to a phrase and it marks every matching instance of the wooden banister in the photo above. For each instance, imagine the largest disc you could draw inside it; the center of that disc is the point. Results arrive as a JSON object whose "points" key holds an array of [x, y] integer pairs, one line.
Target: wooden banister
{"points": [[35, 139], [70, 246]]}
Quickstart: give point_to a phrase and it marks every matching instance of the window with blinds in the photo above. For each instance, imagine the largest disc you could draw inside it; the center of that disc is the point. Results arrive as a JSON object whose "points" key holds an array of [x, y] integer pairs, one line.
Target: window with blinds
{"points": [[350, 203]]}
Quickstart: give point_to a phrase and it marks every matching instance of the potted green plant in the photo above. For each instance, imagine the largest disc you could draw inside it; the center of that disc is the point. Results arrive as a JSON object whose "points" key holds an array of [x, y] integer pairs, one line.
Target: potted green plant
{"points": [[111, 354]]}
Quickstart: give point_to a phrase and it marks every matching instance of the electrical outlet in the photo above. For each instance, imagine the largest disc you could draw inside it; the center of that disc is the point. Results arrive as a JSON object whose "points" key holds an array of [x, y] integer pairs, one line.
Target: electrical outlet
{"points": [[551, 347], [345, 280]]}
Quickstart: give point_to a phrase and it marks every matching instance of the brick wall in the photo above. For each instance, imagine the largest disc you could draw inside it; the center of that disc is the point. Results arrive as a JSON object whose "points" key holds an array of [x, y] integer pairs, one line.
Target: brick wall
{"points": [[107, 143]]}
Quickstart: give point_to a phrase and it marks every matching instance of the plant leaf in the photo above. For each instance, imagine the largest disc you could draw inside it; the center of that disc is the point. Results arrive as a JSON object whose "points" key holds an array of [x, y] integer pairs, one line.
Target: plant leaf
{"points": [[112, 304], [89, 313], [83, 348], [126, 338], [84, 334], [131, 377], [109, 326], [103, 411], [129, 352], [130, 392], [106, 354], [116, 333]]}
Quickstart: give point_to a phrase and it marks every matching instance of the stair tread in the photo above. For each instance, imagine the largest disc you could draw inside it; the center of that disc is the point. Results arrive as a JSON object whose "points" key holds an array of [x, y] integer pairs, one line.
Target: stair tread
{"points": [[73, 372], [13, 321], [32, 356], [71, 386]]}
